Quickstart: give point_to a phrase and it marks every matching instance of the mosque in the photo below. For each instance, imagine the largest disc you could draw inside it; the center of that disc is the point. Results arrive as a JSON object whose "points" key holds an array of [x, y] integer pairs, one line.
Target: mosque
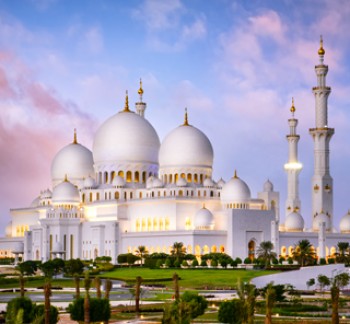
{"points": [[133, 190]]}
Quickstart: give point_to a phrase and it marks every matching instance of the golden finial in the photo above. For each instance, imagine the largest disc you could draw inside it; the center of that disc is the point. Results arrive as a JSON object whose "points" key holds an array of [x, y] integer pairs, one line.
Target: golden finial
{"points": [[126, 107], [321, 50], [186, 118], [292, 109], [235, 175], [65, 178], [140, 92], [75, 141], [203, 206]]}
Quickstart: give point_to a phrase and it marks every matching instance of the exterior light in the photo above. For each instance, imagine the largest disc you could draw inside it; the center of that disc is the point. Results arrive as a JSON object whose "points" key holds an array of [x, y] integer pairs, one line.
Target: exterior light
{"points": [[293, 166]]}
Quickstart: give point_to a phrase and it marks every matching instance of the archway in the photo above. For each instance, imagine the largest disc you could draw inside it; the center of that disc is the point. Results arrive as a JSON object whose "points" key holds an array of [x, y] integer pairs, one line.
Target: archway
{"points": [[251, 250]]}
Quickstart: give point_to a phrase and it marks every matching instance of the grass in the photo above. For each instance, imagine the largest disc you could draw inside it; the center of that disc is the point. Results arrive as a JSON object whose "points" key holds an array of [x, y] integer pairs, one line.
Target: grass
{"points": [[190, 278]]}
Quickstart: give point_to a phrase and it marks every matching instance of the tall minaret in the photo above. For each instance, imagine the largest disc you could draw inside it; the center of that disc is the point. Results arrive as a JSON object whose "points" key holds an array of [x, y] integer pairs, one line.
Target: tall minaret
{"points": [[322, 182], [140, 106], [293, 167]]}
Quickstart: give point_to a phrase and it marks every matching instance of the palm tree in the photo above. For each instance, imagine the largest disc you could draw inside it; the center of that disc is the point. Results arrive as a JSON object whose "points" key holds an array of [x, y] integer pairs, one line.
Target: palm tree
{"points": [[47, 294], [343, 255], [304, 252], [109, 285], [339, 281], [141, 252], [97, 282], [87, 284], [137, 294], [178, 250], [176, 286], [270, 298], [25, 268], [265, 252], [75, 268]]}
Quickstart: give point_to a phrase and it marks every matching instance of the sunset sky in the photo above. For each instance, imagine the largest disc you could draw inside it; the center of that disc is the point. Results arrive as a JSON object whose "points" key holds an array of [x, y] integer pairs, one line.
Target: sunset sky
{"points": [[234, 64]]}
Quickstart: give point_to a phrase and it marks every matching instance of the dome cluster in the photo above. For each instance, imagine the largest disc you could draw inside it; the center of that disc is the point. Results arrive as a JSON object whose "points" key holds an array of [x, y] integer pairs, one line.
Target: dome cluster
{"points": [[235, 191]]}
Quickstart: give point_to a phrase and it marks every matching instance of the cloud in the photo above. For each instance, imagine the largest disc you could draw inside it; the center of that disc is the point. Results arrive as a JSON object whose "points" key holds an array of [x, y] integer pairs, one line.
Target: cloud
{"points": [[94, 40], [170, 25], [34, 120]]}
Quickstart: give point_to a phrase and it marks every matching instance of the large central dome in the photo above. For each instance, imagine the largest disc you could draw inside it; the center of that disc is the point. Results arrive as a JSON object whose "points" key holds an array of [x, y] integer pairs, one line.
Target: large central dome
{"points": [[126, 142]]}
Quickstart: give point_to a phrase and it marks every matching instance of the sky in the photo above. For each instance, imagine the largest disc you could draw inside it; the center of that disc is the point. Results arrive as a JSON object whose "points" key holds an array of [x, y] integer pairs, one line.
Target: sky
{"points": [[234, 64]]}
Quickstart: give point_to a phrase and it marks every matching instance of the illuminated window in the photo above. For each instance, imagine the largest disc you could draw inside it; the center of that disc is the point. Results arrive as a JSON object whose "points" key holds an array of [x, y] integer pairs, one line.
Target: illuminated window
{"points": [[137, 176], [128, 176], [121, 174]]}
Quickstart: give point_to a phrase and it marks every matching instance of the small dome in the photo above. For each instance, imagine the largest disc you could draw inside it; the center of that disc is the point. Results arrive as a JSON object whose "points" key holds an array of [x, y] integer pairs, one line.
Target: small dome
{"points": [[268, 186], [209, 183], [46, 194], [149, 182], [294, 222], [157, 183], [8, 230], [57, 247], [118, 181], [35, 202], [235, 190], [18, 248], [203, 219], [322, 217], [181, 182], [89, 183], [345, 223], [221, 183], [74, 161], [65, 193]]}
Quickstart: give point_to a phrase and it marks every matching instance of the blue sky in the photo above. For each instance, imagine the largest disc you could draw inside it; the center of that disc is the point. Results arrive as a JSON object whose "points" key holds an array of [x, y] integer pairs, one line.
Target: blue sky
{"points": [[234, 64]]}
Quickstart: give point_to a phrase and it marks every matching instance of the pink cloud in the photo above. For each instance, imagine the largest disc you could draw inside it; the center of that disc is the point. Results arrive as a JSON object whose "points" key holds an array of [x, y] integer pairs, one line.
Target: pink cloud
{"points": [[31, 133]]}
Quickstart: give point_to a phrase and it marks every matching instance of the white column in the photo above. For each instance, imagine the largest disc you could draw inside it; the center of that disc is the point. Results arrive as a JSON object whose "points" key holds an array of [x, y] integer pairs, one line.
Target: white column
{"points": [[322, 240]]}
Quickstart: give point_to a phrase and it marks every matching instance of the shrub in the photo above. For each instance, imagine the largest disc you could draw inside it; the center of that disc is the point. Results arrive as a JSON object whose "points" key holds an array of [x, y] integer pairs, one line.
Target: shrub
{"points": [[331, 260], [195, 263], [247, 261], [238, 260], [100, 310], [159, 263], [231, 312], [203, 263], [290, 260], [15, 305], [274, 261], [214, 263], [184, 263], [39, 314], [168, 262], [177, 264], [323, 261], [281, 259]]}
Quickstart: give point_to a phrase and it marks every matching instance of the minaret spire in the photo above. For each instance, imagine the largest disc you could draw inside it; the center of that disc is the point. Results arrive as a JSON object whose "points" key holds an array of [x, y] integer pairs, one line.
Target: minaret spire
{"points": [[75, 141], [293, 167], [322, 182], [126, 106], [140, 106]]}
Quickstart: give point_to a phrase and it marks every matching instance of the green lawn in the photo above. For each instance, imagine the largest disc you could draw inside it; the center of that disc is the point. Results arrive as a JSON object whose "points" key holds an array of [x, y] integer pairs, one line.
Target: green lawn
{"points": [[190, 278]]}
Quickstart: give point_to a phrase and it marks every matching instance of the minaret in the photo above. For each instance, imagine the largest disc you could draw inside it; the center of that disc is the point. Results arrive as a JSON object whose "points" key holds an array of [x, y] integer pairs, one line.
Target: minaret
{"points": [[293, 167], [140, 106], [322, 182]]}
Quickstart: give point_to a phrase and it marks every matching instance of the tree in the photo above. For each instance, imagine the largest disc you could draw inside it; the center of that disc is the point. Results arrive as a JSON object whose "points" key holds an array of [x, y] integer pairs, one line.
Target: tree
{"points": [[270, 298], [75, 268], [137, 294], [323, 281], [97, 282], [304, 253], [25, 268], [47, 306], [178, 250], [141, 252], [247, 294], [343, 255], [108, 287], [265, 252], [339, 281], [87, 285], [38, 314], [176, 286], [231, 312], [310, 282]]}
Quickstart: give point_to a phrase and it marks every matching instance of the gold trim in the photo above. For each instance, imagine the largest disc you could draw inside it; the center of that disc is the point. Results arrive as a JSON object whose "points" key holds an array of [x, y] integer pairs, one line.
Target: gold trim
{"points": [[321, 50], [186, 119], [126, 107], [75, 141]]}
